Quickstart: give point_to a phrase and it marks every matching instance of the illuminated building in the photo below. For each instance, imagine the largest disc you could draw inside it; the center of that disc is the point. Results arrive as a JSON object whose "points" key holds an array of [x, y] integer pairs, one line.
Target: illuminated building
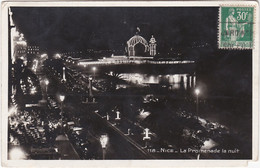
{"points": [[33, 50], [152, 46], [139, 51], [138, 47], [20, 48], [18, 43], [134, 42]]}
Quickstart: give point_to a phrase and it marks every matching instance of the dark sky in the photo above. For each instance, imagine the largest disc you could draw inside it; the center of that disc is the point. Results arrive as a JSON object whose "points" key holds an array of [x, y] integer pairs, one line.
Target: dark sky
{"points": [[68, 29], [74, 29]]}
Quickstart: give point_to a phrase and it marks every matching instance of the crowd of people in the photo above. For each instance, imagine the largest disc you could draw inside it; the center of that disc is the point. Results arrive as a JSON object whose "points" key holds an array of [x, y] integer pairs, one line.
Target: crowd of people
{"points": [[31, 128]]}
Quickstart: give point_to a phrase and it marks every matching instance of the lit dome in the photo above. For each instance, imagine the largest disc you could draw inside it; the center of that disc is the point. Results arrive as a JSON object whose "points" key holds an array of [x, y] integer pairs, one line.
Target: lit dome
{"points": [[135, 40]]}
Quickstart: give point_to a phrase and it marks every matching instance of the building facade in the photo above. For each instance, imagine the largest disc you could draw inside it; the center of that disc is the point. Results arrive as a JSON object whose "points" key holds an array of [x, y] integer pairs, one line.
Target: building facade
{"points": [[138, 46]]}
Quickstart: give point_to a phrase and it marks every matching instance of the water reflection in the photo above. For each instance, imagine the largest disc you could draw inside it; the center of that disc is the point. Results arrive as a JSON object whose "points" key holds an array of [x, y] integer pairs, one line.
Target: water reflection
{"points": [[175, 81]]}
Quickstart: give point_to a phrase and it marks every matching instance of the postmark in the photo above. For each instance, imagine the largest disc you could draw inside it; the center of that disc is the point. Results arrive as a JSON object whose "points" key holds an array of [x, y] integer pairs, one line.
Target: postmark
{"points": [[236, 27]]}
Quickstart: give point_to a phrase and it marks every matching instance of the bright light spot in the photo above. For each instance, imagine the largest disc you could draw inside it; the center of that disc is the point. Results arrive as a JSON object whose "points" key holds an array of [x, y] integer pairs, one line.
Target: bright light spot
{"points": [[152, 79], [146, 132], [33, 90], [94, 68], [57, 56], [44, 55], [208, 144], [103, 140], [24, 43], [143, 114], [197, 91], [62, 97], [17, 154], [46, 81], [203, 122], [12, 111]]}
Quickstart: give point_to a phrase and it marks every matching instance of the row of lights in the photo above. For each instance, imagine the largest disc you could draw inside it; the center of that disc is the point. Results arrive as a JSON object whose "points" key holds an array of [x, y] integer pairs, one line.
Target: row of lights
{"points": [[104, 138]]}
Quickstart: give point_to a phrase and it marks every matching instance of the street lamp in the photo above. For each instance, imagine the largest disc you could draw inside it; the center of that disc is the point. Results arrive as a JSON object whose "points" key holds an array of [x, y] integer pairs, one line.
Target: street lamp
{"points": [[197, 92], [46, 84], [94, 70], [103, 140], [62, 97], [63, 74], [146, 136]]}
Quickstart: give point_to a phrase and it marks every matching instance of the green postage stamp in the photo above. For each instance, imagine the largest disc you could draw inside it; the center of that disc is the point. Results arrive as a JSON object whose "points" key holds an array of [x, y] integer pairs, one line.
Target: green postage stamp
{"points": [[236, 27]]}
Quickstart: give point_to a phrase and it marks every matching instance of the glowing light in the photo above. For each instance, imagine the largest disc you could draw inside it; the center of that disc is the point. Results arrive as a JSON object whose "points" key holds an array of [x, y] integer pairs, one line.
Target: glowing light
{"points": [[153, 79], [62, 97], [209, 144], [24, 43], [44, 55], [176, 79], [143, 114], [14, 34], [197, 91], [17, 154], [146, 133], [46, 81], [117, 115], [94, 68], [12, 111], [57, 56], [103, 140], [11, 18], [33, 90]]}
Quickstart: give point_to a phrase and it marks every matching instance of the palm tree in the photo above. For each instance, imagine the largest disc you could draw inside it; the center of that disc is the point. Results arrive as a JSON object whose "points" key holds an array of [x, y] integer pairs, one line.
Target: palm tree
{"points": [[111, 80]]}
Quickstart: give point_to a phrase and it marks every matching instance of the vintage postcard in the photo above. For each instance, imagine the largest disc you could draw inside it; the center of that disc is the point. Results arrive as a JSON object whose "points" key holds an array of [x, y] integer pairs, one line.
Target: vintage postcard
{"points": [[129, 84]]}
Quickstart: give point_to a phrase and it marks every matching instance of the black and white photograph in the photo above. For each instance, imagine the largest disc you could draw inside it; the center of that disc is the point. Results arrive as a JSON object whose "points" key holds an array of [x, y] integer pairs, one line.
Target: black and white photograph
{"points": [[126, 83]]}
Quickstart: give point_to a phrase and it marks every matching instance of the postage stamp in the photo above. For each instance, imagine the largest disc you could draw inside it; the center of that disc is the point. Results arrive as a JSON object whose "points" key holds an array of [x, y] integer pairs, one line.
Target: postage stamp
{"points": [[236, 27]]}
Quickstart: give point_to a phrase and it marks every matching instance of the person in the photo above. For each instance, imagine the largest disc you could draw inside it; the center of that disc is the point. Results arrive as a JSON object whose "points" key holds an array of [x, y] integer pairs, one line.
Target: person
{"points": [[231, 25]]}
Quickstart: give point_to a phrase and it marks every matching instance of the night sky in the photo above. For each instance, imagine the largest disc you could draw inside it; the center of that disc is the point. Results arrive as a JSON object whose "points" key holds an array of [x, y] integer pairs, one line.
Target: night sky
{"points": [[72, 29], [59, 29]]}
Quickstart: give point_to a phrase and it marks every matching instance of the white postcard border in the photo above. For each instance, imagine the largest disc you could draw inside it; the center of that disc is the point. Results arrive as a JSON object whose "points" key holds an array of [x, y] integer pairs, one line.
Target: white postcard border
{"points": [[123, 163]]}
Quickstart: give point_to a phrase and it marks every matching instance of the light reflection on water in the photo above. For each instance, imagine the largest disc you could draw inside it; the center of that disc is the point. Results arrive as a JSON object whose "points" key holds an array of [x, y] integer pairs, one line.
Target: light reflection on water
{"points": [[175, 81]]}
